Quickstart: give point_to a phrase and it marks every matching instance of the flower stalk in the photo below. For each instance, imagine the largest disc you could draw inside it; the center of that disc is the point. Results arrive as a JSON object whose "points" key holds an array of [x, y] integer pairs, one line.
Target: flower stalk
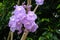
{"points": [[9, 36], [24, 36], [18, 2], [35, 8], [29, 22], [11, 33]]}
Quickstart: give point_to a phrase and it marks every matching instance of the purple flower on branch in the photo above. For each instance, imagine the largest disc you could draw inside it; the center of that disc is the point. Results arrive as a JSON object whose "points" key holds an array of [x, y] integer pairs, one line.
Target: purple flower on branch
{"points": [[31, 26], [39, 2], [20, 17]]}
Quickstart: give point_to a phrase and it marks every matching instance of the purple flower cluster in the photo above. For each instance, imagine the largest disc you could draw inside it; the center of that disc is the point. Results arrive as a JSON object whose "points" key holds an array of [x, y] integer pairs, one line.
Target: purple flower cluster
{"points": [[20, 17], [39, 2], [29, 21]]}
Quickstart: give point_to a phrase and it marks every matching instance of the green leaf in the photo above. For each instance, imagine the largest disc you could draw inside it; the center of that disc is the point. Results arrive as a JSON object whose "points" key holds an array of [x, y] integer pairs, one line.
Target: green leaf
{"points": [[58, 31], [58, 25], [29, 39], [0, 4], [45, 19], [41, 38], [44, 33], [55, 37], [58, 6], [47, 35]]}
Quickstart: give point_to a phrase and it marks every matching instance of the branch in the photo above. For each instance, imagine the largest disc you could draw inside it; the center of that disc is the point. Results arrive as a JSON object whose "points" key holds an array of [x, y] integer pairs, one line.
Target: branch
{"points": [[18, 2], [36, 8], [9, 35], [24, 36]]}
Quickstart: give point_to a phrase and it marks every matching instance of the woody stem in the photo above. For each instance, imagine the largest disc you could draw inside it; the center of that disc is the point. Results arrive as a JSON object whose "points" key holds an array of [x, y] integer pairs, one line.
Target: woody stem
{"points": [[24, 36], [35, 8]]}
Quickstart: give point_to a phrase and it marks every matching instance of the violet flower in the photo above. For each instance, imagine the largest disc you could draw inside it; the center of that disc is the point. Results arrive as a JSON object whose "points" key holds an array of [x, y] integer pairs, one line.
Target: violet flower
{"points": [[15, 24], [34, 27], [31, 26], [39, 2], [20, 17], [31, 16], [29, 21], [18, 10]]}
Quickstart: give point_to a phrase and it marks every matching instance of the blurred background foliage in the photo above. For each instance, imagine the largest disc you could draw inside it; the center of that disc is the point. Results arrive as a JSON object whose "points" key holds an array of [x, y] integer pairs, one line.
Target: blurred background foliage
{"points": [[48, 20]]}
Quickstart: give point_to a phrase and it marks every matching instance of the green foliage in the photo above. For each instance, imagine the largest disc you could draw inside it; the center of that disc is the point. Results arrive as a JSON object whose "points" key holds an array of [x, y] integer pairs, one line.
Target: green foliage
{"points": [[58, 6], [49, 25], [29, 39], [41, 38]]}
